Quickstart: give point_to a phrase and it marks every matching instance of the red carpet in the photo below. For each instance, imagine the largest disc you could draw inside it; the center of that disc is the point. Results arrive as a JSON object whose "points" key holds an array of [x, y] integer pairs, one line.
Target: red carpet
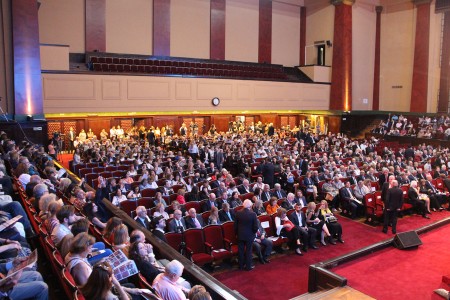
{"points": [[287, 276], [402, 274]]}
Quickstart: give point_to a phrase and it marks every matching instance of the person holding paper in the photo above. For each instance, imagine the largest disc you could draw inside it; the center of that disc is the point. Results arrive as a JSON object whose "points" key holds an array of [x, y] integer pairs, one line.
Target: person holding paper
{"points": [[22, 285]]}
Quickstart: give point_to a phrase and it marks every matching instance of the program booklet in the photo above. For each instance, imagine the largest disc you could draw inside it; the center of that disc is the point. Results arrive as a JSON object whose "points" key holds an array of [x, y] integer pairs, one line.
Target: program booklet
{"points": [[21, 263], [121, 265]]}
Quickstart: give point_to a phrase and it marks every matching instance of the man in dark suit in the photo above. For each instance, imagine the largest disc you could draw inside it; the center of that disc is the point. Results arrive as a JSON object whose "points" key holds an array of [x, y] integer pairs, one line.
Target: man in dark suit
{"points": [[260, 243], [151, 137], [194, 220], [266, 194], [245, 188], [226, 214], [268, 172], [307, 234], [392, 205], [278, 192], [210, 203], [245, 226], [159, 223], [142, 218], [349, 199], [177, 224], [223, 198]]}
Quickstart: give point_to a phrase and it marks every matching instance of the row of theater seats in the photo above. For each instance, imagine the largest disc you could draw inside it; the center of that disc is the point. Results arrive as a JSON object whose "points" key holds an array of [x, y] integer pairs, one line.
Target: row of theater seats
{"points": [[175, 67], [104, 67], [215, 243], [52, 254]]}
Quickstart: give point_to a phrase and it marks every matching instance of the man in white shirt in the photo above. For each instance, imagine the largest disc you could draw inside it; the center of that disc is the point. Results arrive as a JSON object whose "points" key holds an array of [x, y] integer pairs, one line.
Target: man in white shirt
{"points": [[66, 217]]}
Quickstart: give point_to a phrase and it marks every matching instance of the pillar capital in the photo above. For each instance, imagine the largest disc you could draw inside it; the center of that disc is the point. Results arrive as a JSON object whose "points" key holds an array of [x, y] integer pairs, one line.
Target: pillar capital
{"points": [[379, 9], [345, 2], [419, 2]]}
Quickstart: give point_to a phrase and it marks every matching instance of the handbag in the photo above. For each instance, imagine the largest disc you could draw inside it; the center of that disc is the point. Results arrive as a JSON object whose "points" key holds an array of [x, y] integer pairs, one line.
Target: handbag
{"points": [[331, 219], [291, 225]]}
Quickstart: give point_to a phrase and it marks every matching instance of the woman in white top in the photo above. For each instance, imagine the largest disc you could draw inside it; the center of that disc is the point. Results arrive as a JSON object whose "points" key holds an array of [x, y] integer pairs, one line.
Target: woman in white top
{"points": [[134, 194], [286, 228], [159, 211], [118, 198]]}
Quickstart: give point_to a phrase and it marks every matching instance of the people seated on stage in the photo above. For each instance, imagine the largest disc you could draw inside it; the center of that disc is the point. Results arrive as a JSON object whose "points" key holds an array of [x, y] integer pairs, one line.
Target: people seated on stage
{"points": [[424, 188], [420, 201], [262, 245]]}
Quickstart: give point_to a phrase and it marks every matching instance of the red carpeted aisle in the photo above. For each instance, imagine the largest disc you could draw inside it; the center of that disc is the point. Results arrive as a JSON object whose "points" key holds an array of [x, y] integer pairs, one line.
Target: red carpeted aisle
{"points": [[402, 274], [287, 276]]}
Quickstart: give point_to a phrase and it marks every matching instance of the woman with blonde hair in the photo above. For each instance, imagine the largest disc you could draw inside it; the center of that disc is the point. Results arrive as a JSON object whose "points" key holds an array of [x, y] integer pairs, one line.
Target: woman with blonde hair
{"points": [[331, 221], [315, 220], [160, 211], [213, 218], [121, 239]]}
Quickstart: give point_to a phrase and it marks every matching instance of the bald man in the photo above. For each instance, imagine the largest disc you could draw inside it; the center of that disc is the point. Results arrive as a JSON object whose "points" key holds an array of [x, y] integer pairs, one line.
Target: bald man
{"points": [[245, 226]]}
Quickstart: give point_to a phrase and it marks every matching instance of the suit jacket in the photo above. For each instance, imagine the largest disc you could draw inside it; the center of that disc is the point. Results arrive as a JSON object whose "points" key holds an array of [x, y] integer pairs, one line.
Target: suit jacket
{"points": [[159, 234], [173, 225], [394, 198], [190, 223], [145, 223], [207, 205], [224, 217], [347, 193], [265, 197], [413, 196], [294, 219], [246, 225], [268, 173], [281, 192], [242, 189], [302, 201]]}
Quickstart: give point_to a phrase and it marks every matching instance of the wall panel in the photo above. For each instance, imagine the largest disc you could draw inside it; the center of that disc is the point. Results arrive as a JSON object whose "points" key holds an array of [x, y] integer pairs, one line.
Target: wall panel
{"points": [[241, 30], [129, 21], [69, 93], [190, 28], [285, 34]]}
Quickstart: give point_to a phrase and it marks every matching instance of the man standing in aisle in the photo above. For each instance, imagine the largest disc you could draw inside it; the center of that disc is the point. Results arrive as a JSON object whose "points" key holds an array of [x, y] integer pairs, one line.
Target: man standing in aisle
{"points": [[392, 205], [246, 226]]}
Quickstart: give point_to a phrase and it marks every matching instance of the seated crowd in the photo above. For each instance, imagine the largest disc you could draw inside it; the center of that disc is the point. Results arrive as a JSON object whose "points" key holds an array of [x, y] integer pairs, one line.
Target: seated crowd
{"points": [[297, 181]]}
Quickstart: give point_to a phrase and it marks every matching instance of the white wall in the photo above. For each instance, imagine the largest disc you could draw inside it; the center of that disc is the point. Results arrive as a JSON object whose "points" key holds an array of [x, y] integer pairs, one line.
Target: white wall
{"points": [[129, 26], [363, 52], [241, 30], [285, 34], [62, 22], [190, 28]]}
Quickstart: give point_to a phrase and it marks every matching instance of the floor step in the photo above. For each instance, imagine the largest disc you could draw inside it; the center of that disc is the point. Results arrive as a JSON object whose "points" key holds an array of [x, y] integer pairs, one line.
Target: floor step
{"points": [[339, 293]]}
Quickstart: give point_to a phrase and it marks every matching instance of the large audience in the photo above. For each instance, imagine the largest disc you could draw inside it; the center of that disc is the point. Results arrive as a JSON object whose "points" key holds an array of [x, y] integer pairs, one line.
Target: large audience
{"points": [[302, 178]]}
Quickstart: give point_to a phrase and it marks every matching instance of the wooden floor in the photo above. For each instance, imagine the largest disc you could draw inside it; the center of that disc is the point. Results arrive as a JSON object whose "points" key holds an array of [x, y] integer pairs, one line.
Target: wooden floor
{"points": [[339, 293]]}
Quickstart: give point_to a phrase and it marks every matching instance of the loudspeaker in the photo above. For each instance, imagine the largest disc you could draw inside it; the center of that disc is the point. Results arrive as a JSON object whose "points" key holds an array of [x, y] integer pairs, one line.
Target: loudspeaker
{"points": [[406, 240]]}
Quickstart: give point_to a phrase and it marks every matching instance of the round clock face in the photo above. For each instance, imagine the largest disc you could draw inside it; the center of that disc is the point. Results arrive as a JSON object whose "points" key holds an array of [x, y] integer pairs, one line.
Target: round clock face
{"points": [[215, 101]]}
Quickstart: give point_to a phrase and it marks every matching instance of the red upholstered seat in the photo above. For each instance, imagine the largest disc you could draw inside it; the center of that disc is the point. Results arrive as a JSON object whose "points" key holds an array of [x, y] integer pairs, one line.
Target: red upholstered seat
{"points": [[174, 239], [215, 241], [374, 210], [127, 206], [229, 236], [195, 247], [271, 230], [148, 192]]}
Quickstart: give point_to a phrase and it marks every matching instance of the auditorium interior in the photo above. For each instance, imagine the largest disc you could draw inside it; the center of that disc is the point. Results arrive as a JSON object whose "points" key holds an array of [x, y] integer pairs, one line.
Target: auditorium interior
{"points": [[280, 80]]}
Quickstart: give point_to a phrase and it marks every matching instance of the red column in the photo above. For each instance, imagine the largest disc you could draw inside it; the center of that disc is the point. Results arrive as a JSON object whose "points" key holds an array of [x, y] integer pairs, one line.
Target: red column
{"points": [[161, 27], [419, 90], [444, 84], [341, 76], [217, 40], [95, 37], [265, 31], [302, 35], [376, 73], [28, 98]]}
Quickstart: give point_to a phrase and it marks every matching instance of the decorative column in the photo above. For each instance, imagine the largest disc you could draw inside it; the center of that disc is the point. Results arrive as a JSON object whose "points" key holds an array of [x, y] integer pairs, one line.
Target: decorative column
{"points": [[28, 100], [161, 27], [217, 40], [302, 35], [265, 32], [444, 84], [95, 36], [376, 73], [419, 90], [341, 76]]}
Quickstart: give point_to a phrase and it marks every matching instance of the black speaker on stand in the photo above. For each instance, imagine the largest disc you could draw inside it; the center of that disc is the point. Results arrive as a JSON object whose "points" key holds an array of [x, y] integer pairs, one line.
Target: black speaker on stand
{"points": [[408, 239]]}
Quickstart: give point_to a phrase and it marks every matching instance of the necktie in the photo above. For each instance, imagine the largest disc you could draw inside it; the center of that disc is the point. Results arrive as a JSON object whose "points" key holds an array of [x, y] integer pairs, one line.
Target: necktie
{"points": [[268, 196], [197, 223], [229, 216], [279, 194]]}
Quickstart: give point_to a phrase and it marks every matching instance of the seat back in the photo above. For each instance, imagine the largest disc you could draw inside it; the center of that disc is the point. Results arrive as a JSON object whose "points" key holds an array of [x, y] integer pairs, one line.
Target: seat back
{"points": [[148, 192], [228, 232], [213, 235], [174, 239], [128, 206], [193, 204], [146, 201], [266, 223], [195, 240]]}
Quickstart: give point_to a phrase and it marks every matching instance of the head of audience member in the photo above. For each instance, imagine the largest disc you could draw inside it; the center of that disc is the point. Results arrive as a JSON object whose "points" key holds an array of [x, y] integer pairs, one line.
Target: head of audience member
{"points": [[53, 208], [247, 203], [111, 226], [173, 270], [177, 214], [45, 201], [99, 283], [159, 223], [39, 190], [141, 212], [80, 226], [192, 212], [121, 236], [82, 244], [137, 235], [66, 215]]}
